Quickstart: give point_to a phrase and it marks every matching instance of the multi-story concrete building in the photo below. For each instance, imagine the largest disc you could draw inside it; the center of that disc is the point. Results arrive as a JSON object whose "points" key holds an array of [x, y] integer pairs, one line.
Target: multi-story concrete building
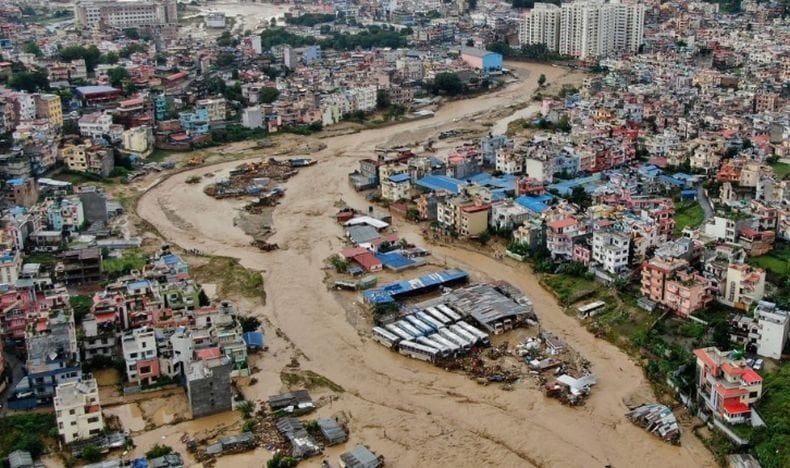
{"points": [[744, 285], [126, 14], [208, 386], [726, 387], [139, 352], [540, 25], [78, 410], [215, 107], [95, 125], [585, 29], [673, 284], [396, 187], [772, 327], [48, 106], [87, 157], [610, 251], [138, 140], [463, 215]]}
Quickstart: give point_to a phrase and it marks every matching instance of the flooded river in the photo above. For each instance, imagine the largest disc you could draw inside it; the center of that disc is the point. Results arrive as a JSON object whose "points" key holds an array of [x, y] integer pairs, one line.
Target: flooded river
{"points": [[411, 412]]}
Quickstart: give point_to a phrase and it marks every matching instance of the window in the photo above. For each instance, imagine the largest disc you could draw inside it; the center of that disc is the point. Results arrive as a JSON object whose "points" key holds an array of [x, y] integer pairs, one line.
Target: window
{"points": [[73, 423], [71, 411], [94, 419], [753, 395], [145, 369]]}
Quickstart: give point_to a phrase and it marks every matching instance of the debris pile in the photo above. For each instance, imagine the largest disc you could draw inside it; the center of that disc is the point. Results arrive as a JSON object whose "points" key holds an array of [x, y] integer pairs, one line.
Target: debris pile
{"points": [[658, 419], [570, 390], [252, 178]]}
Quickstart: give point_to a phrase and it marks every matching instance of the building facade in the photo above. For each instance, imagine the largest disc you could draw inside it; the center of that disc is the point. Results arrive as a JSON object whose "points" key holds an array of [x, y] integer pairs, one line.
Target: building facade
{"points": [[78, 410]]}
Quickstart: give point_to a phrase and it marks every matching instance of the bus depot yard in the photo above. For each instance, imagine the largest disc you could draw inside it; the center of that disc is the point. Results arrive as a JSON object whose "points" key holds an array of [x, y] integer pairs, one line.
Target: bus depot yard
{"points": [[467, 330]]}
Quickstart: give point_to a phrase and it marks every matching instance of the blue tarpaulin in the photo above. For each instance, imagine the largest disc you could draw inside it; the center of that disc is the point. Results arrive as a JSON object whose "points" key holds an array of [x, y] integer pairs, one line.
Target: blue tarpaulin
{"points": [[254, 339]]}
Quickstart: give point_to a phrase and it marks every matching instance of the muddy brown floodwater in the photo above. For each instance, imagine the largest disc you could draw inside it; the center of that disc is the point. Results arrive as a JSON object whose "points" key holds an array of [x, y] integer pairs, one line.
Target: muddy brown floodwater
{"points": [[413, 413]]}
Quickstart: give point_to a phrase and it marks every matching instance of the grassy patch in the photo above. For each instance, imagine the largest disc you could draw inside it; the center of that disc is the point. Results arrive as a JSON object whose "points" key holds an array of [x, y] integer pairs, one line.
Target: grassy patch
{"points": [[570, 289], [781, 169], [688, 214], [771, 444], [776, 261], [231, 278], [159, 155], [25, 432], [308, 379], [130, 260]]}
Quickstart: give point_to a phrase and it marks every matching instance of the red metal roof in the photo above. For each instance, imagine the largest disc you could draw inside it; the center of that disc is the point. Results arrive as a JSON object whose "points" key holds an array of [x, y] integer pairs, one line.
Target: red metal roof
{"points": [[351, 252], [208, 353], [562, 223], [367, 261], [476, 208], [736, 407]]}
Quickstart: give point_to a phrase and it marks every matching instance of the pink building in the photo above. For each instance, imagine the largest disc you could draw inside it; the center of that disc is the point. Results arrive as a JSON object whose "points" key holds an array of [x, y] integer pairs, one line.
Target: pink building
{"points": [[673, 284], [726, 385], [559, 237]]}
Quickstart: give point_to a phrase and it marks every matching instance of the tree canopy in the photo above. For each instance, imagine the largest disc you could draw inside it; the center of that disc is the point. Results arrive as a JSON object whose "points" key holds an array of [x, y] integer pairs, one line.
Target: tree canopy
{"points": [[90, 54], [30, 81], [448, 83]]}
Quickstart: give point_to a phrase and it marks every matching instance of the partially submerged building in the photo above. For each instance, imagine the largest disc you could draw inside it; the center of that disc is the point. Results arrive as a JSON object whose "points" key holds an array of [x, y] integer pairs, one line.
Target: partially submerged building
{"points": [[208, 386]]}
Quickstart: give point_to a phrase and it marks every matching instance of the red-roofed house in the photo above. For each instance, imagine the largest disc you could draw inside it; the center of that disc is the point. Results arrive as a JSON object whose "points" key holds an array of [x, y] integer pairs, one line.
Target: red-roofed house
{"points": [[559, 237], [368, 262], [726, 386]]}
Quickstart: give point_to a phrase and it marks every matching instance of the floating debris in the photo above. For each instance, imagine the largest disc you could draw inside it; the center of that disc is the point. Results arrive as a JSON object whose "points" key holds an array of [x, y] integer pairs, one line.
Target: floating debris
{"points": [[658, 419]]}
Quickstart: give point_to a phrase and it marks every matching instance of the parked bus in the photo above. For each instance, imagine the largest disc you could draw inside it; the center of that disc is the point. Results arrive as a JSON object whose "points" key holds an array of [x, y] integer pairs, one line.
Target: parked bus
{"points": [[460, 341], [395, 330], [433, 312], [460, 331], [385, 337], [409, 328], [481, 335], [429, 320], [588, 310], [417, 351], [453, 347], [443, 351], [454, 316], [419, 324]]}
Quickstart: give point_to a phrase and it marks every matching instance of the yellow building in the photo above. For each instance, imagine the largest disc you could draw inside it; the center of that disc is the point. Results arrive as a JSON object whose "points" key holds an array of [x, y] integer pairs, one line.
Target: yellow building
{"points": [[48, 106]]}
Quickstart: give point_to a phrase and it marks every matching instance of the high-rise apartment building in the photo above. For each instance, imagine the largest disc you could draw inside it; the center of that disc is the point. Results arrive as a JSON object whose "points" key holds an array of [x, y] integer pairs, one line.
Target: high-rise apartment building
{"points": [[585, 29]]}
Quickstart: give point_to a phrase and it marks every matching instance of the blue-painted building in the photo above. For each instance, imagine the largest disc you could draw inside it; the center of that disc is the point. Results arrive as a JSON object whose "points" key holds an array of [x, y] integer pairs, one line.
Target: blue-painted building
{"points": [[195, 122], [483, 60]]}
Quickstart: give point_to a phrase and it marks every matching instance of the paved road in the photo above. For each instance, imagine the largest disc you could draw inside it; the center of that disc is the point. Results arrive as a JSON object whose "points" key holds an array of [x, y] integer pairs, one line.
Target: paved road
{"points": [[704, 202]]}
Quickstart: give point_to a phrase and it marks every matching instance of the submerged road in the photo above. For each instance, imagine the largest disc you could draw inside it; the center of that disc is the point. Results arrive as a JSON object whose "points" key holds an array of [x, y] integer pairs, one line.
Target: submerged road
{"points": [[413, 413]]}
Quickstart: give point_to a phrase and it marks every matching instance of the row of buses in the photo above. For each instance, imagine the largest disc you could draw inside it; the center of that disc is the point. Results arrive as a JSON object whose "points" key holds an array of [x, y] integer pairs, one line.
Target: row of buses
{"points": [[431, 334]]}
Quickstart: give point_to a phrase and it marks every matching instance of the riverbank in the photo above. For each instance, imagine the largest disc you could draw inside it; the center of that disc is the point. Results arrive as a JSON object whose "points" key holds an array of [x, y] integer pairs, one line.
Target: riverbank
{"points": [[411, 412]]}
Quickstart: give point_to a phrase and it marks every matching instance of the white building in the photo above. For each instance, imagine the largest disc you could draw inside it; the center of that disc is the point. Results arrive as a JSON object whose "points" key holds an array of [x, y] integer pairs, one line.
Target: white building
{"points": [[125, 14], [78, 410], [215, 19], [610, 251], [396, 187], [139, 352], [27, 106], [541, 26], [216, 108], [585, 29], [509, 162], [138, 139], [95, 125], [539, 169], [364, 98], [744, 285], [773, 325], [252, 117]]}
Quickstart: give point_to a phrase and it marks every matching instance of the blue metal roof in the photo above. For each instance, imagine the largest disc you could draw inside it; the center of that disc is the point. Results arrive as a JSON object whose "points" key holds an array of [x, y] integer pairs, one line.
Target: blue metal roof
{"points": [[254, 339], [16, 181], [171, 259], [377, 297], [398, 178], [565, 187], [394, 260], [534, 204], [140, 284], [439, 182]]}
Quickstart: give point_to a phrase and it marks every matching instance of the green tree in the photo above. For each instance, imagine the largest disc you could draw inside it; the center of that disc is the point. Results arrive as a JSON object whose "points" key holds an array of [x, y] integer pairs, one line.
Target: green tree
{"points": [[31, 47], [130, 49], [249, 324], [246, 408], [81, 305], [91, 454], [29, 81], [158, 450], [448, 83], [541, 80], [383, 99], [90, 54], [470, 42], [132, 33], [225, 59], [268, 95], [110, 58], [279, 460], [117, 75]]}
